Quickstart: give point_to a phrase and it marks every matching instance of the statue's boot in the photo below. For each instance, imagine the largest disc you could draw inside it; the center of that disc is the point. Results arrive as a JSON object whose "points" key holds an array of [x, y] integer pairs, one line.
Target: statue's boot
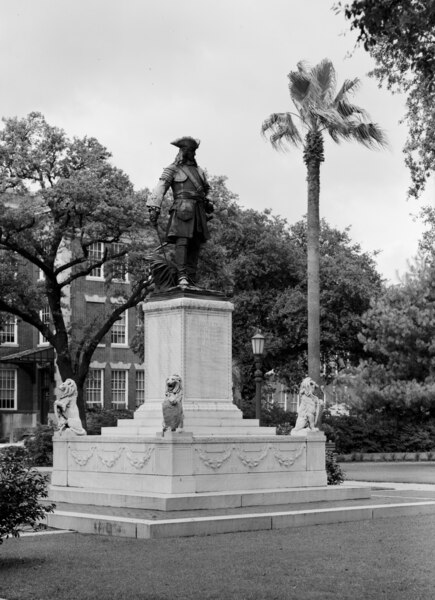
{"points": [[181, 261], [186, 259]]}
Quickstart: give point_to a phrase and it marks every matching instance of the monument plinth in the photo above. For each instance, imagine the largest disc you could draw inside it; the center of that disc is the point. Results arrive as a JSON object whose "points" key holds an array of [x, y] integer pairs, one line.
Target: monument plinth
{"points": [[190, 335]]}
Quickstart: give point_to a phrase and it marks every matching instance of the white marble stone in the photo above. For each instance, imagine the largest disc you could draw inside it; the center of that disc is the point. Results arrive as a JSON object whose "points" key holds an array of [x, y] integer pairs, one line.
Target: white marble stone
{"points": [[218, 451], [190, 337], [179, 463], [206, 500]]}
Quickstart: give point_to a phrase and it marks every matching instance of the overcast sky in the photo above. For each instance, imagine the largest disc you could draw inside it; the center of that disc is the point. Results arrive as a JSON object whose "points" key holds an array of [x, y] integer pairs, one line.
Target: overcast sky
{"points": [[136, 74]]}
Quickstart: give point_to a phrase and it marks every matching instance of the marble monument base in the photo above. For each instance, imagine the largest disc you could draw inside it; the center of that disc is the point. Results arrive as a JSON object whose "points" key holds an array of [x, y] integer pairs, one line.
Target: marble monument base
{"points": [[218, 451], [179, 463]]}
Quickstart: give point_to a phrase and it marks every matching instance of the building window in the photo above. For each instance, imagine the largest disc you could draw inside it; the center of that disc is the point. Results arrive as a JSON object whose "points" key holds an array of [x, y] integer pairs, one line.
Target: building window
{"points": [[94, 387], [119, 389], [8, 389], [44, 315], [95, 254], [140, 387], [9, 331], [118, 333], [119, 265], [292, 401]]}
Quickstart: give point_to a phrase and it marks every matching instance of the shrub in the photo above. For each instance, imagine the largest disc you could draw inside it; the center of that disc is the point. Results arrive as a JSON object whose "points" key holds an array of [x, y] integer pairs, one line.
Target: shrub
{"points": [[274, 415], [40, 445], [379, 432], [21, 489], [347, 432], [97, 417], [284, 428], [334, 472]]}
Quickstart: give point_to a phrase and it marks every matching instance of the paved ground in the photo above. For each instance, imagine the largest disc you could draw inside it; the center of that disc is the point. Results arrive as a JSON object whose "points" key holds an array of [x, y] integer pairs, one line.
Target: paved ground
{"points": [[400, 472]]}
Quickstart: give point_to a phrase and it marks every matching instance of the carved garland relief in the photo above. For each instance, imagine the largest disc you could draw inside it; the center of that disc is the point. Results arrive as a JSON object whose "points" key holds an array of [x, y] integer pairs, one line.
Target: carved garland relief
{"points": [[82, 458], [214, 463], [110, 458], [285, 460], [212, 460]]}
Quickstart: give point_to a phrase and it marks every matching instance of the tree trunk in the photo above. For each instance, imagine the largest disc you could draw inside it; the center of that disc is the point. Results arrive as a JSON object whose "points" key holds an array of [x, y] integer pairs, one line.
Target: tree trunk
{"points": [[313, 156], [81, 404]]}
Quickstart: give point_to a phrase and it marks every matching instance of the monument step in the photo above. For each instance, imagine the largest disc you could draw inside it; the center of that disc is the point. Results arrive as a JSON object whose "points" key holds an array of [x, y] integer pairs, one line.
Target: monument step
{"points": [[205, 408], [149, 524], [197, 431], [204, 500], [193, 419]]}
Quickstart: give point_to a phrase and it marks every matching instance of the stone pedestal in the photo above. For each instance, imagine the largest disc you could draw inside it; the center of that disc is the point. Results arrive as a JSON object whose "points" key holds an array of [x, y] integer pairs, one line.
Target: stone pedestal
{"points": [[180, 463], [190, 335], [218, 452]]}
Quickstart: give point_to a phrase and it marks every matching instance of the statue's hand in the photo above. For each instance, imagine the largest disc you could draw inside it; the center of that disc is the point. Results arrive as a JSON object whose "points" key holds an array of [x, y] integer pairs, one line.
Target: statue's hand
{"points": [[154, 214]]}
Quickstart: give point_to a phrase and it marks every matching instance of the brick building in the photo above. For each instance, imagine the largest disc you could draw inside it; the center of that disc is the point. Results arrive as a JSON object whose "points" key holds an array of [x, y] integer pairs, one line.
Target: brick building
{"points": [[28, 374], [278, 394]]}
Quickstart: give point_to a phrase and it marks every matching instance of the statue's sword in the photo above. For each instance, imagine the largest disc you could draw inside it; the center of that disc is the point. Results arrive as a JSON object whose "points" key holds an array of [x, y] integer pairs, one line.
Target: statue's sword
{"points": [[162, 244]]}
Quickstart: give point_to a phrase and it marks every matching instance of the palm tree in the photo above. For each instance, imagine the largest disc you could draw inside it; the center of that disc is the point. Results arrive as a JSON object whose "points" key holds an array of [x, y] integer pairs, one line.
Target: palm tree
{"points": [[319, 108]]}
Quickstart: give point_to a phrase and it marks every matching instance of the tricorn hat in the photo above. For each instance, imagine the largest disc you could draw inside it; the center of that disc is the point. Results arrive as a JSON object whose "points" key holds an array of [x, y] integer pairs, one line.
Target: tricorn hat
{"points": [[186, 142]]}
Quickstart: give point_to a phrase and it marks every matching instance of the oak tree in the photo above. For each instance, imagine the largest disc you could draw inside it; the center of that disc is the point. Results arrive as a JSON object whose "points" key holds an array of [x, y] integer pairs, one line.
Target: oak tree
{"points": [[400, 36], [60, 199]]}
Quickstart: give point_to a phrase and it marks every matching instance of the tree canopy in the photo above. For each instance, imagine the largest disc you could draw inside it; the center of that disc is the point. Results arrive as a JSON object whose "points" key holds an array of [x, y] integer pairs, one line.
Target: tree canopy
{"points": [[59, 198], [400, 35], [399, 329]]}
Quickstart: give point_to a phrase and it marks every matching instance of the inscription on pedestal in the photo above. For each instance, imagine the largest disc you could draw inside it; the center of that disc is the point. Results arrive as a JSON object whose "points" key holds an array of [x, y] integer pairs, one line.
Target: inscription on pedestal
{"points": [[163, 351], [191, 337], [208, 356]]}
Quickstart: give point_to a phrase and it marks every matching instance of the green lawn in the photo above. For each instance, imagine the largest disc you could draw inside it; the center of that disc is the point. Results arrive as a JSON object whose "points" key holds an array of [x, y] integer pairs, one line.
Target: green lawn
{"points": [[389, 559]]}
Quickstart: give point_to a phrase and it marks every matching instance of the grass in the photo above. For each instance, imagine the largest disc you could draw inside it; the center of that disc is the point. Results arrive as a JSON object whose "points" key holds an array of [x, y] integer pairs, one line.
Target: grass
{"points": [[383, 559]]}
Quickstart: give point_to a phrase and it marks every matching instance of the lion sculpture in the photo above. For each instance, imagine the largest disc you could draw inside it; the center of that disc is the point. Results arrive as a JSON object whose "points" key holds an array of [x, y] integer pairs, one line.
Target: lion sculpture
{"points": [[172, 406], [67, 413], [310, 408]]}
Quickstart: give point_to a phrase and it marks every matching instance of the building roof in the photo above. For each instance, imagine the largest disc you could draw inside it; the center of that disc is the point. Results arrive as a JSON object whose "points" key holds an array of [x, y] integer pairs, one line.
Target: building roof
{"points": [[31, 356]]}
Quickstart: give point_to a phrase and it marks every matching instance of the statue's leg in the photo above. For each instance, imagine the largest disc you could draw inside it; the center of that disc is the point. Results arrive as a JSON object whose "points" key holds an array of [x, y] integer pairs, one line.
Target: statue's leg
{"points": [[181, 245], [193, 249]]}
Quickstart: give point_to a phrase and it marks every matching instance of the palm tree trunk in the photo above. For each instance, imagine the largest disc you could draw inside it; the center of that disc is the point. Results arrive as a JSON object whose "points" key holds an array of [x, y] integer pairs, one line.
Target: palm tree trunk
{"points": [[313, 156]]}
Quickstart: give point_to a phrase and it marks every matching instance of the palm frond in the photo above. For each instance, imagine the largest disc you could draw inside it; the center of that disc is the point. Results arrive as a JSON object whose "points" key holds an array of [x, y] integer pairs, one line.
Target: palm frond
{"points": [[324, 75], [369, 135], [281, 130], [333, 132], [303, 66], [299, 85], [312, 91], [346, 109], [328, 117], [349, 86]]}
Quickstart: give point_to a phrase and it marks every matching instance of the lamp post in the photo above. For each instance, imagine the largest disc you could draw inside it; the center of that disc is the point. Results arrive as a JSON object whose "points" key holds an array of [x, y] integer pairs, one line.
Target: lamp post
{"points": [[257, 341]]}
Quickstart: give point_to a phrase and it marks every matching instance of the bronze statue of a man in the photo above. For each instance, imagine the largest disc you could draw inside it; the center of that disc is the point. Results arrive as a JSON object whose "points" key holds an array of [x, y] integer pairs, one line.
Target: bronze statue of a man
{"points": [[187, 227]]}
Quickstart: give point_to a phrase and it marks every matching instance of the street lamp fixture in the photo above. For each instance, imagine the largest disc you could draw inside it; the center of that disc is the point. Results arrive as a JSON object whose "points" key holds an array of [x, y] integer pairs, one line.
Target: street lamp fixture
{"points": [[257, 341]]}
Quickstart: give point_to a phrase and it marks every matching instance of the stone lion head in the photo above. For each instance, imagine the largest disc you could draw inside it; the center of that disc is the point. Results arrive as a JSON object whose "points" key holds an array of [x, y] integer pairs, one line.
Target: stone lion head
{"points": [[68, 389], [307, 386], [173, 384]]}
